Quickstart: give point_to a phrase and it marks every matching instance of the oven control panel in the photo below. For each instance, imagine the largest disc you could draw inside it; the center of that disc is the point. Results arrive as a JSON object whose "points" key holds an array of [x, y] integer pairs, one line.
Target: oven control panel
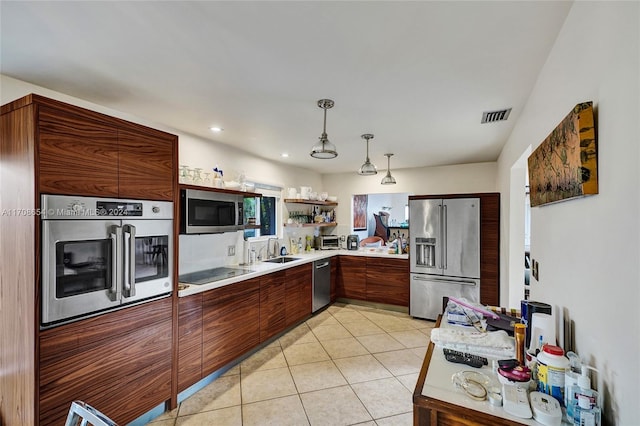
{"points": [[110, 208], [65, 207]]}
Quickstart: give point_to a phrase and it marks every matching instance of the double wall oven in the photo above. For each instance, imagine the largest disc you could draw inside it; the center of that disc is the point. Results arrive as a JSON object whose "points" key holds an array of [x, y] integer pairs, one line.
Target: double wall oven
{"points": [[101, 254]]}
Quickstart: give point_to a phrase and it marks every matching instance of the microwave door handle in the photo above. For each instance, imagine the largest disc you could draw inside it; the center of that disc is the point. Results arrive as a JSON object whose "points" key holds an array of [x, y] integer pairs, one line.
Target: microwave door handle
{"points": [[116, 261], [130, 260]]}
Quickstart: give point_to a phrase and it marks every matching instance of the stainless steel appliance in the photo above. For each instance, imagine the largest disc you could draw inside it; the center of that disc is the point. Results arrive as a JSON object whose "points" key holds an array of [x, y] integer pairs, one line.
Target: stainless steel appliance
{"points": [[321, 284], [444, 252], [210, 275], [327, 242], [352, 242], [210, 212], [100, 253]]}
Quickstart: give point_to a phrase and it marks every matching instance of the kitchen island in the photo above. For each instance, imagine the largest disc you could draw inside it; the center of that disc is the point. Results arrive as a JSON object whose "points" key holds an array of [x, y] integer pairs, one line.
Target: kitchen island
{"points": [[436, 401]]}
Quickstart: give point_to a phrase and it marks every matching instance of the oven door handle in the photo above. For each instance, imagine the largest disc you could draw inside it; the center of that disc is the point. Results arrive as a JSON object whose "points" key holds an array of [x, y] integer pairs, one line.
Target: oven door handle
{"points": [[116, 263], [130, 260]]}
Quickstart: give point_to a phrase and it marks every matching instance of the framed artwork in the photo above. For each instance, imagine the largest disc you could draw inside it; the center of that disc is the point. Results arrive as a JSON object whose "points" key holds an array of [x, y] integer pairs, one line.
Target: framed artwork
{"points": [[360, 212], [565, 165]]}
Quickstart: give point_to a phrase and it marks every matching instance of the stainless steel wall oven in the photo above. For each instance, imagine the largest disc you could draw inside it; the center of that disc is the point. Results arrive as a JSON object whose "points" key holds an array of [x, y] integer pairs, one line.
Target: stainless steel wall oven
{"points": [[102, 254]]}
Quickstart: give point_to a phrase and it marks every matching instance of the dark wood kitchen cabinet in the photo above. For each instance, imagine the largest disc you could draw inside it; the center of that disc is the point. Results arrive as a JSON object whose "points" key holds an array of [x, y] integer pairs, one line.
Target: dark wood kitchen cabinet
{"points": [[78, 155], [230, 323], [299, 295], [272, 305], [189, 340], [388, 281], [86, 153], [119, 362], [352, 277]]}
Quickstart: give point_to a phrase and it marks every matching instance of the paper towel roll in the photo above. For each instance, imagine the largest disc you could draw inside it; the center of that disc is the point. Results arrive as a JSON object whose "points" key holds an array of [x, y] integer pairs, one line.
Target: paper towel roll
{"points": [[541, 325]]}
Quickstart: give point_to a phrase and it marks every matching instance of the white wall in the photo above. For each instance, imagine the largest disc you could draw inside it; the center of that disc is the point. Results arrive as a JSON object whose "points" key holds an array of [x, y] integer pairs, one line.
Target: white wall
{"points": [[463, 178], [588, 249]]}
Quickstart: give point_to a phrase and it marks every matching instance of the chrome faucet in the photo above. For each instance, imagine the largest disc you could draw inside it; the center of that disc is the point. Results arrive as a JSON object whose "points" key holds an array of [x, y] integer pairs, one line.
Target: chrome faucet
{"points": [[275, 251]]}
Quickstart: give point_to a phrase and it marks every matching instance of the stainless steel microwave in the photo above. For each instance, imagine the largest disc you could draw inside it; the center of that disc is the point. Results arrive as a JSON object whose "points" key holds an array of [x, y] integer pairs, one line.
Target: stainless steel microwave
{"points": [[210, 212]]}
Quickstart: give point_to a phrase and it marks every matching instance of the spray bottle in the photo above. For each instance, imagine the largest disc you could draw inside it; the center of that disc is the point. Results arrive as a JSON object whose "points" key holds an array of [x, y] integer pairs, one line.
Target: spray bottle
{"points": [[586, 411], [571, 377]]}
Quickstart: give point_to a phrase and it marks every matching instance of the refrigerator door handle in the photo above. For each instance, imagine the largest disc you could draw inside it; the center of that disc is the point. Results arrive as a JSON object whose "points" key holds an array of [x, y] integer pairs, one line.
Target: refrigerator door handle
{"points": [[444, 280], [444, 239]]}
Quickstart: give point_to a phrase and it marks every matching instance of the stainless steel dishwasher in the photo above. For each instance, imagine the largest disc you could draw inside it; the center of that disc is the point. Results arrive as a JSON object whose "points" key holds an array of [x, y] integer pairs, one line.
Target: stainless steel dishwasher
{"points": [[321, 283]]}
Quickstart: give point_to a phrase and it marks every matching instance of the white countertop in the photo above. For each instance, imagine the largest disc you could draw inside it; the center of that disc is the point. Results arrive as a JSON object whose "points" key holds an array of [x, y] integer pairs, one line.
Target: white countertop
{"points": [[262, 268], [438, 385]]}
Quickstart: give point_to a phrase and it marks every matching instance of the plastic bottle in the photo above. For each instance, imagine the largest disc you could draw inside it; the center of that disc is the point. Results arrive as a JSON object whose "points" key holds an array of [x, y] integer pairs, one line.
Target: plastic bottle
{"points": [[586, 411], [570, 380], [552, 365], [519, 331]]}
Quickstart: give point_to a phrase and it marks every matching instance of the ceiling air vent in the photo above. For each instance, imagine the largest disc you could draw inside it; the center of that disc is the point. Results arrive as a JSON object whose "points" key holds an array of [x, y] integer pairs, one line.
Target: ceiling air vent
{"points": [[490, 117]]}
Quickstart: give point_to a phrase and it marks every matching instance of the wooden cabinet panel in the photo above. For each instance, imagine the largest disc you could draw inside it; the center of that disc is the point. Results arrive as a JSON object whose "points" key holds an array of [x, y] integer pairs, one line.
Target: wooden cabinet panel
{"points": [[119, 362], [231, 323], [85, 153], [146, 165], [272, 305], [352, 280], [388, 281], [490, 249], [299, 293], [189, 340], [77, 156], [18, 277]]}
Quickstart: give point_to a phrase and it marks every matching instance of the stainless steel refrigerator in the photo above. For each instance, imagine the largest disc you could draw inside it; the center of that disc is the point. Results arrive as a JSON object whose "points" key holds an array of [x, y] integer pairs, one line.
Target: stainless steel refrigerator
{"points": [[444, 252]]}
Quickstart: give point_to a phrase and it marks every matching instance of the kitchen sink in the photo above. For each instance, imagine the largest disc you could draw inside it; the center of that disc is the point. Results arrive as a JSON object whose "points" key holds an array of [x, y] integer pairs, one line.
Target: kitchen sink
{"points": [[282, 259]]}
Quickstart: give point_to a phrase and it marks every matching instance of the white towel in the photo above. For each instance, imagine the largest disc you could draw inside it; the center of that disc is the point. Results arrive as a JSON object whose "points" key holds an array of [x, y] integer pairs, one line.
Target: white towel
{"points": [[493, 343]]}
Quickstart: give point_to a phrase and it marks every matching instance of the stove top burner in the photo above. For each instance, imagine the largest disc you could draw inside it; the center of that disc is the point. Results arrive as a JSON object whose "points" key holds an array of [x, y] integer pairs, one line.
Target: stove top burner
{"points": [[211, 275]]}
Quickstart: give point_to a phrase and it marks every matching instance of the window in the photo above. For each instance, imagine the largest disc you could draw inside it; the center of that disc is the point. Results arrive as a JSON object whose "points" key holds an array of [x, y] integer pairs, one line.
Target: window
{"points": [[266, 211]]}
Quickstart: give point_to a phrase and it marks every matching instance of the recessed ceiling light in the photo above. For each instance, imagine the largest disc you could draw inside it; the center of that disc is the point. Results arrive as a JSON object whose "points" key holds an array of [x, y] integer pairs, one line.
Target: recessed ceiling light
{"points": [[284, 155], [216, 129]]}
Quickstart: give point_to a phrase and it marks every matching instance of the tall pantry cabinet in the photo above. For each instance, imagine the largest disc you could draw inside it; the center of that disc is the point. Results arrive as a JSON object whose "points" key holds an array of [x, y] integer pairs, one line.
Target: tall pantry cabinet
{"points": [[50, 147]]}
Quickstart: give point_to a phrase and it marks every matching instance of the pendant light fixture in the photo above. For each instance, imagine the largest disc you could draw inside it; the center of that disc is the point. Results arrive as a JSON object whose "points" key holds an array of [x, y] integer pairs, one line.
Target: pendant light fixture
{"points": [[388, 179], [324, 149], [368, 168]]}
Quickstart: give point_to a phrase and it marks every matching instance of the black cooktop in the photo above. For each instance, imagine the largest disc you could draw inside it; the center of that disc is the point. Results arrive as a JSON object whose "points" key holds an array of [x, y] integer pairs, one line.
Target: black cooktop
{"points": [[211, 275]]}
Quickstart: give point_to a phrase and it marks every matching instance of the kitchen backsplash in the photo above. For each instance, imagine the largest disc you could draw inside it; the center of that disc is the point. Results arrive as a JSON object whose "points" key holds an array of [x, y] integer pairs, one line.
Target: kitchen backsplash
{"points": [[206, 251]]}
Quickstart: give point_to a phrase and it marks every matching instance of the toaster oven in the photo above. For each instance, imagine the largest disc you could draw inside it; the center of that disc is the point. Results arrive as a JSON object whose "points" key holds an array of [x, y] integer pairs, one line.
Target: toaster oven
{"points": [[327, 242]]}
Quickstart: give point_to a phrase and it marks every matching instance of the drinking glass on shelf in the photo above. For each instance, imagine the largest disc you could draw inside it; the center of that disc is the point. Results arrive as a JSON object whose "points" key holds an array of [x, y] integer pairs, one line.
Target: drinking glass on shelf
{"points": [[207, 180], [183, 176], [197, 177]]}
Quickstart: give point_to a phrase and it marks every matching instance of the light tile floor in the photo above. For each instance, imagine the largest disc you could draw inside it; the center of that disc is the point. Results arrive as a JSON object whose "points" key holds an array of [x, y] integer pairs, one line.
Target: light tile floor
{"points": [[347, 365]]}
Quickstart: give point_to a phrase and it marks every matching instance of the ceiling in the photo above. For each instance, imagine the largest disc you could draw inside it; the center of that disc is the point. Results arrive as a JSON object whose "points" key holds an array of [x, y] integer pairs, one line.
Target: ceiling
{"points": [[418, 75]]}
